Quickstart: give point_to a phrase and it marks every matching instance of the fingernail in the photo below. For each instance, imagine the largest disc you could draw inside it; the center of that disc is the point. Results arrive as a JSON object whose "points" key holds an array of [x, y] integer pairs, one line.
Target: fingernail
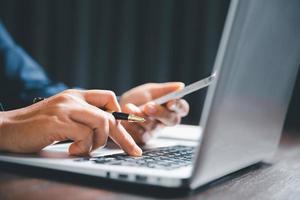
{"points": [[173, 107], [138, 151], [151, 108]]}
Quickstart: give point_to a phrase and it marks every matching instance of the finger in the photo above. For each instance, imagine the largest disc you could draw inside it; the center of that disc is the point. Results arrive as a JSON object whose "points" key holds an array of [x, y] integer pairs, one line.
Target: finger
{"points": [[91, 116], [162, 114], [180, 106], [133, 109], [136, 131], [82, 137], [100, 137], [121, 137], [102, 99], [81, 147], [97, 120], [159, 89], [141, 132], [74, 131]]}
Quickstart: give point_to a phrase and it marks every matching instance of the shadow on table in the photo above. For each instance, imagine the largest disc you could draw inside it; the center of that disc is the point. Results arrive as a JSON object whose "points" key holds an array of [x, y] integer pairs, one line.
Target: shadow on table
{"points": [[119, 186]]}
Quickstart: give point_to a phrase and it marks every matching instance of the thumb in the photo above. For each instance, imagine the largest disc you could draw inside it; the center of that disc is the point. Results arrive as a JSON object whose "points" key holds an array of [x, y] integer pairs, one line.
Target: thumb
{"points": [[160, 89], [132, 109]]}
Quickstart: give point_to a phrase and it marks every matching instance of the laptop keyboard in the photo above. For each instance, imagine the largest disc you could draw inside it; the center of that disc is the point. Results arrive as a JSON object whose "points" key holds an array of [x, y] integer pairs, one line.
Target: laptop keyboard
{"points": [[172, 157]]}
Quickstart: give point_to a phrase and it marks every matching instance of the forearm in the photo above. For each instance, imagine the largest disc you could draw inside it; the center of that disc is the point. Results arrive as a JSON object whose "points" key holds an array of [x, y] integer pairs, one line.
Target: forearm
{"points": [[24, 78], [1, 122], [2, 136], [72, 114], [7, 127]]}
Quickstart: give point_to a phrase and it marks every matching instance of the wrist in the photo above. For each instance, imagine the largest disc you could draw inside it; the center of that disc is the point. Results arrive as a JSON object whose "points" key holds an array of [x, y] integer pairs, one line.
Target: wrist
{"points": [[5, 118], [2, 117]]}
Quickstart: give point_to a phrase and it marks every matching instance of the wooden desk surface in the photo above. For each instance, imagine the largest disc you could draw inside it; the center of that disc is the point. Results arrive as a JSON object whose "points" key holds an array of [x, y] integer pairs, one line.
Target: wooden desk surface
{"points": [[281, 180]]}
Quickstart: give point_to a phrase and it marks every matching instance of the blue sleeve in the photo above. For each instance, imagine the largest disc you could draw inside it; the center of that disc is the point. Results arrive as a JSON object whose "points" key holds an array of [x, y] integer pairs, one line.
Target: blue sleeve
{"points": [[22, 78]]}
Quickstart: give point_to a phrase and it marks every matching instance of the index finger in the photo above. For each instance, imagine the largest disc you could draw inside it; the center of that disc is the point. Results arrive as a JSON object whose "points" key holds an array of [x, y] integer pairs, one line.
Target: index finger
{"points": [[96, 119], [121, 137], [159, 89], [102, 99]]}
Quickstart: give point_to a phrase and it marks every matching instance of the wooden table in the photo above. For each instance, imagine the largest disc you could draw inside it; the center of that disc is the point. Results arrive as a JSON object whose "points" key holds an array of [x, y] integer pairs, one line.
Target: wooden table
{"points": [[280, 180]]}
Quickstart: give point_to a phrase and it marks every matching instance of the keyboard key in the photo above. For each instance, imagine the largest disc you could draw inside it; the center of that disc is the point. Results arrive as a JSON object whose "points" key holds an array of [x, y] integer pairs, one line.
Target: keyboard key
{"points": [[160, 158]]}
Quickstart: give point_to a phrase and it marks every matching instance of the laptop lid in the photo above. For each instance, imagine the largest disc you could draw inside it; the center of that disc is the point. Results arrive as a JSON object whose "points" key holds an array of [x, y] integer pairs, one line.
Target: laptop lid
{"points": [[245, 108]]}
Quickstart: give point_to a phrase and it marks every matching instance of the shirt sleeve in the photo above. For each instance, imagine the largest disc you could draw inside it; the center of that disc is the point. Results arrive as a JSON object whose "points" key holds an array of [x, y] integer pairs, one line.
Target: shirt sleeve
{"points": [[22, 78]]}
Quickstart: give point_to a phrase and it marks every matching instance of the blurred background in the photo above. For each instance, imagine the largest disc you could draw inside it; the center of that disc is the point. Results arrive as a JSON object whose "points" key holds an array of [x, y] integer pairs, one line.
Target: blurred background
{"points": [[117, 45]]}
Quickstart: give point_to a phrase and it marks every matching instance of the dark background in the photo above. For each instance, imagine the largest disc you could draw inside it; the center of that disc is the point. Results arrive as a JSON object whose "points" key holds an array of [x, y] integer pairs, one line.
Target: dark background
{"points": [[117, 45]]}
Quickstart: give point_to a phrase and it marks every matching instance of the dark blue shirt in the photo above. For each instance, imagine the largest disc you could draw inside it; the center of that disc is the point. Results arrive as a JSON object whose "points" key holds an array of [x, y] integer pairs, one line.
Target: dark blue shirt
{"points": [[21, 78]]}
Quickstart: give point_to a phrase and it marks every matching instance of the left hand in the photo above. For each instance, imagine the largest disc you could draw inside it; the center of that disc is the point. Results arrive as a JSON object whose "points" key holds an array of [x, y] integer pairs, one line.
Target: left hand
{"points": [[138, 101]]}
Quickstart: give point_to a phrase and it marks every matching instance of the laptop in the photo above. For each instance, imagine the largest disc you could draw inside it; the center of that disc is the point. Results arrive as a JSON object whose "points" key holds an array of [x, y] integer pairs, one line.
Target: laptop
{"points": [[243, 115]]}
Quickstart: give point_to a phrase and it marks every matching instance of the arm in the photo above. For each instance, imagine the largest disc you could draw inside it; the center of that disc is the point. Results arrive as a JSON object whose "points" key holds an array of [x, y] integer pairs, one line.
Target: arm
{"points": [[72, 114], [69, 115], [22, 78]]}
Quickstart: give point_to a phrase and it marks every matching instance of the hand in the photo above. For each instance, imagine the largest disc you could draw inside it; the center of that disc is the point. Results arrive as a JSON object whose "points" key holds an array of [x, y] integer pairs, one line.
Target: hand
{"points": [[138, 101], [72, 114]]}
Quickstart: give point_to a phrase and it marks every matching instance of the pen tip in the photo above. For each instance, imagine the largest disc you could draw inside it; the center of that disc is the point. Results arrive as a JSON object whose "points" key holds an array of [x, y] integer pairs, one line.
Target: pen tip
{"points": [[133, 118]]}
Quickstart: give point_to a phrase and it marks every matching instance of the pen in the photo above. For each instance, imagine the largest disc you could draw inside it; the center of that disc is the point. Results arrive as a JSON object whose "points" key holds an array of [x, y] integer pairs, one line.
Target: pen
{"points": [[117, 115], [127, 117]]}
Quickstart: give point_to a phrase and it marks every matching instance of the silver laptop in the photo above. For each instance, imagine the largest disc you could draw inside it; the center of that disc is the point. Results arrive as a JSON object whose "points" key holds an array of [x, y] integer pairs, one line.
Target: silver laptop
{"points": [[243, 115]]}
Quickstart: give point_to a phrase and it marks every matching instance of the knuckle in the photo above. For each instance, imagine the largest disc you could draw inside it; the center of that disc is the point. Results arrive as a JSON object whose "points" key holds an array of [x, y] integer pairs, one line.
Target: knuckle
{"points": [[71, 91], [104, 125], [110, 119], [111, 94], [57, 113], [70, 94], [63, 97], [55, 119], [61, 111]]}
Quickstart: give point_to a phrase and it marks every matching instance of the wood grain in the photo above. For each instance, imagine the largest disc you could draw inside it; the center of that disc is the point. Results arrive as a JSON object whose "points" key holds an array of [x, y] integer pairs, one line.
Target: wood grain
{"points": [[279, 180]]}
